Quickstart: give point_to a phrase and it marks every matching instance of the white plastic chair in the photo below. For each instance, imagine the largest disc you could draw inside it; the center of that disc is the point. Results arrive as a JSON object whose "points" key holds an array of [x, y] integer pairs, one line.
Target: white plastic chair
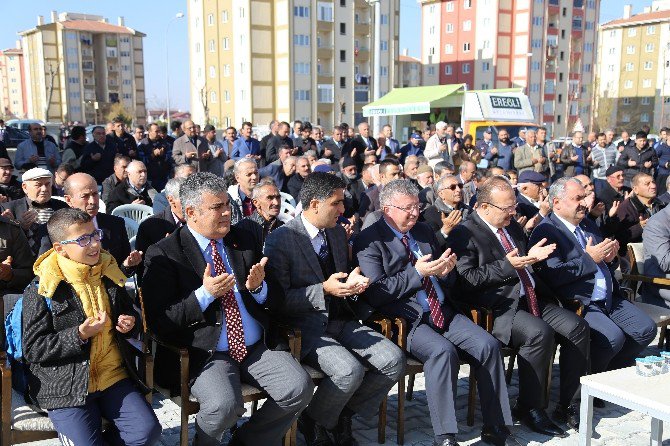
{"points": [[131, 227], [136, 212], [59, 198], [102, 207], [287, 198]]}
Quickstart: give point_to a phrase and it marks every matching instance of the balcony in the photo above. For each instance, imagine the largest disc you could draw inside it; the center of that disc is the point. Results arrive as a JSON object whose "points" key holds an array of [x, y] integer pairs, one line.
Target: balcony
{"points": [[87, 66], [324, 51], [362, 28], [362, 95], [324, 25], [551, 52], [362, 54], [361, 4], [552, 31], [86, 53], [324, 77]]}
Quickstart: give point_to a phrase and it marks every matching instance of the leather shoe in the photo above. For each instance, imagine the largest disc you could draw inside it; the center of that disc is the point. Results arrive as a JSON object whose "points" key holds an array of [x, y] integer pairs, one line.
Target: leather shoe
{"points": [[314, 433], [342, 432], [449, 441], [498, 436], [568, 415], [538, 421]]}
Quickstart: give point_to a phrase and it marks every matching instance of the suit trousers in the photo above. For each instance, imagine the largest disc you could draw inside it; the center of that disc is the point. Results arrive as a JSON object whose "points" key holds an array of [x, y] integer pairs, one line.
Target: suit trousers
{"points": [[440, 354], [342, 354], [218, 390], [535, 337], [619, 335]]}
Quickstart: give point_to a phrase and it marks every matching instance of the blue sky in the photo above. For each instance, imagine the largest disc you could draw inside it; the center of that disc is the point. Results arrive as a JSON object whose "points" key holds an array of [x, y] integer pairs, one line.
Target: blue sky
{"points": [[151, 18]]}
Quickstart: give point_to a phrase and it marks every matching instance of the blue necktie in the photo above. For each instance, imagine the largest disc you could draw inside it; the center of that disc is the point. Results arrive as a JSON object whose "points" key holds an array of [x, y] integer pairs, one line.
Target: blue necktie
{"points": [[601, 266], [323, 250]]}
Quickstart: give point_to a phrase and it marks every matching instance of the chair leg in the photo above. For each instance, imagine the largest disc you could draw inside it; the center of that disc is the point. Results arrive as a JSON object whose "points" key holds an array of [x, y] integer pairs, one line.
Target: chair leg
{"points": [[381, 423], [254, 407], [661, 336], [667, 337], [400, 428], [472, 396], [410, 387], [183, 434], [510, 369]]}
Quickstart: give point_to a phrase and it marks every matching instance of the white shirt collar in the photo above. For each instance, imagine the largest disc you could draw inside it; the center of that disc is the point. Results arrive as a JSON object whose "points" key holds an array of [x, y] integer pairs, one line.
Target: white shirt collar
{"points": [[567, 224], [312, 230], [533, 202], [490, 226]]}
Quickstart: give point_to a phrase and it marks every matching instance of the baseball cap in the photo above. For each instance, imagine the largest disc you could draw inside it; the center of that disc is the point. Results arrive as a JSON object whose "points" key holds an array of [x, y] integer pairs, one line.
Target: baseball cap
{"points": [[415, 136]]}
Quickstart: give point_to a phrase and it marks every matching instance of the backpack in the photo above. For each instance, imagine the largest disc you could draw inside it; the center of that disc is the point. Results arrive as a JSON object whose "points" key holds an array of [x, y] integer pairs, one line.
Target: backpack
{"points": [[14, 345]]}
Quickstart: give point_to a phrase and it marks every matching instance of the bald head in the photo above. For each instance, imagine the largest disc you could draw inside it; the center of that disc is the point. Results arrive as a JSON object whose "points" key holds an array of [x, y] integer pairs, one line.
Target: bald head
{"points": [[137, 174], [81, 192]]}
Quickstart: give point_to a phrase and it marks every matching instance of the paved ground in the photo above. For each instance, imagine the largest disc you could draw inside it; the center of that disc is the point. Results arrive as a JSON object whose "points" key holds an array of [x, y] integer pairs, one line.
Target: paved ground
{"points": [[614, 426]]}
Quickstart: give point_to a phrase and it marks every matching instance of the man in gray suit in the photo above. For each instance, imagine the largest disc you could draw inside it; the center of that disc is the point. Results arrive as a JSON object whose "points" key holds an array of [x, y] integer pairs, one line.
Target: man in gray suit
{"points": [[656, 242], [191, 149], [308, 256]]}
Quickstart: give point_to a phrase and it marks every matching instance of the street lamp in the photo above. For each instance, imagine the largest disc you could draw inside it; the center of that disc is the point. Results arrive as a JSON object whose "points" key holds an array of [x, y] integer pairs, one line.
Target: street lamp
{"points": [[376, 68], [179, 15]]}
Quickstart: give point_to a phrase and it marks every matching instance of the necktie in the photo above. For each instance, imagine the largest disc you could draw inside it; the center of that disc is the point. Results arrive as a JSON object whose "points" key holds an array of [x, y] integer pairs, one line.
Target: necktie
{"points": [[324, 252], [234, 330], [431, 295], [247, 207], [531, 297], [601, 266]]}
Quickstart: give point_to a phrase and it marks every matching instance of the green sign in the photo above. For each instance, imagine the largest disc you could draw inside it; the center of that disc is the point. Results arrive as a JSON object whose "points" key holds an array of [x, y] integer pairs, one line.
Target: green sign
{"points": [[396, 109]]}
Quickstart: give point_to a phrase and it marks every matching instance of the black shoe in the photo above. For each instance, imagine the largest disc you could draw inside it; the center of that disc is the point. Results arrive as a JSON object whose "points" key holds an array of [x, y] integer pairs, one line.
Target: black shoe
{"points": [[498, 436], [342, 432], [597, 402], [449, 441], [538, 421], [568, 415], [314, 433]]}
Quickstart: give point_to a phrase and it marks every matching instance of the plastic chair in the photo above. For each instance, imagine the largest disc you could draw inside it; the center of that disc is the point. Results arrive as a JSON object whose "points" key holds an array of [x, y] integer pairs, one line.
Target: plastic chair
{"points": [[136, 212], [131, 227], [102, 207], [287, 198]]}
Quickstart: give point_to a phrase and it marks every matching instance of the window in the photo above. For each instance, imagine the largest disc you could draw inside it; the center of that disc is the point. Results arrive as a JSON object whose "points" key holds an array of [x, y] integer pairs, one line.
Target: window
{"points": [[226, 43], [431, 71], [449, 28], [210, 19], [72, 80], [467, 25], [610, 68], [645, 101], [212, 46], [241, 12], [384, 19], [301, 68], [644, 117], [197, 47], [485, 86], [535, 66], [448, 70], [648, 65], [632, 32], [625, 117], [627, 101], [125, 67], [343, 82], [448, 48], [467, 4], [649, 48], [226, 96], [224, 16], [384, 45], [212, 71], [611, 51], [343, 55], [301, 11], [628, 84], [486, 44], [629, 66], [302, 95], [587, 68], [343, 3], [536, 43], [431, 30], [651, 29], [325, 12], [384, 71], [466, 68], [538, 20], [450, 6], [630, 49], [301, 39], [486, 66], [646, 83], [242, 67], [466, 47], [343, 28], [212, 97]]}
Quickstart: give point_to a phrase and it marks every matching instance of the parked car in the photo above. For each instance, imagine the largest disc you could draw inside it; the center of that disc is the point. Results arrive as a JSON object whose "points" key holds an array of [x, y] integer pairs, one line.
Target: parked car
{"points": [[14, 136]]}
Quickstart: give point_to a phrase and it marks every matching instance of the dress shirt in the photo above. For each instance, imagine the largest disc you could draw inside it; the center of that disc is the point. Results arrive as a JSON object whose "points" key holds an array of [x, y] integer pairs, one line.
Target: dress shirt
{"points": [[522, 289], [600, 290], [421, 296], [253, 331], [533, 202], [315, 235]]}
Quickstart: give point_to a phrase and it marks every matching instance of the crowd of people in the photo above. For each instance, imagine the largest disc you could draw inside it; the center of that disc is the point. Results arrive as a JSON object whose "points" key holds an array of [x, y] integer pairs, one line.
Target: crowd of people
{"points": [[424, 231]]}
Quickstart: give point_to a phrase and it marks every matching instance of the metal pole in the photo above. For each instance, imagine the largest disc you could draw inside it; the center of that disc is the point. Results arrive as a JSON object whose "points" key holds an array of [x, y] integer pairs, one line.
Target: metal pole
{"points": [[179, 15], [376, 67]]}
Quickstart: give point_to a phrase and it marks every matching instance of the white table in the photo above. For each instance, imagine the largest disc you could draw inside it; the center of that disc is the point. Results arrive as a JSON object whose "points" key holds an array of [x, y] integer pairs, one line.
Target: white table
{"points": [[624, 387]]}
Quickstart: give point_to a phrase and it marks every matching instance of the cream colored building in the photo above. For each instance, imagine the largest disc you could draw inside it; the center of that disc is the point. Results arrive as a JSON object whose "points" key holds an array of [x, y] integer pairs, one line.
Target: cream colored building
{"points": [[257, 60], [12, 83], [634, 70], [410, 71], [91, 64]]}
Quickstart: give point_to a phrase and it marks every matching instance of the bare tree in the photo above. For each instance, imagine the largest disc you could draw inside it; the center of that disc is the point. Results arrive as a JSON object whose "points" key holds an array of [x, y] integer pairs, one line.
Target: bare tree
{"points": [[51, 75], [204, 101]]}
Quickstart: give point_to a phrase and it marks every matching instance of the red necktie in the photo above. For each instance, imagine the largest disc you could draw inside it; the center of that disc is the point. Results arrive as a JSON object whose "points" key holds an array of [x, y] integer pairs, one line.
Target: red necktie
{"points": [[531, 297], [247, 207], [234, 330], [431, 295]]}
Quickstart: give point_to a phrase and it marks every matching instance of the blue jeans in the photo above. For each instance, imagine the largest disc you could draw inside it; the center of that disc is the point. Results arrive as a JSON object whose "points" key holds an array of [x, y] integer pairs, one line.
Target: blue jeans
{"points": [[122, 405]]}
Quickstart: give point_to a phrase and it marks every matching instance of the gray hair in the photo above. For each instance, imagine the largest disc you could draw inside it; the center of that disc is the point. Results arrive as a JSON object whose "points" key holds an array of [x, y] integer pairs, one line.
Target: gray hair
{"points": [[240, 162], [530, 131], [135, 164], [255, 193], [193, 188], [394, 188], [557, 190], [325, 161], [310, 153], [438, 186], [291, 158], [304, 157], [180, 170], [172, 187]]}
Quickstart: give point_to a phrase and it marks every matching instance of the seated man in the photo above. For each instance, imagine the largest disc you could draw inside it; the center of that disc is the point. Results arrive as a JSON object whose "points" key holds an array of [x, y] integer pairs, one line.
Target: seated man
{"points": [[135, 189], [119, 175], [80, 366], [160, 202], [33, 210], [531, 195], [10, 188], [16, 269], [448, 210], [204, 289], [494, 266], [582, 267], [413, 281], [656, 241], [263, 220], [308, 256]]}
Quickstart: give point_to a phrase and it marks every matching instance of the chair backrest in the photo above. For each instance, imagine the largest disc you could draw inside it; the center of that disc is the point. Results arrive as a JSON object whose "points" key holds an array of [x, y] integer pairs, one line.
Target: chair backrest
{"points": [[135, 212], [102, 207], [287, 198], [57, 197], [636, 257], [131, 227]]}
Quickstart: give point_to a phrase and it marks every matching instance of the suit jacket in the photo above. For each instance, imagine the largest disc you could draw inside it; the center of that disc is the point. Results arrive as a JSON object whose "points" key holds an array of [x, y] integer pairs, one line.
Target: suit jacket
{"points": [[173, 271], [570, 166], [359, 144], [104, 167], [293, 263], [272, 148], [241, 150], [485, 276], [335, 150], [523, 159], [183, 144], [525, 207], [369, 201], [13, 242], [153, 230], [394, 282], [656, 240], [432, 215], [569, 271], [37, 231], [123, 193]]}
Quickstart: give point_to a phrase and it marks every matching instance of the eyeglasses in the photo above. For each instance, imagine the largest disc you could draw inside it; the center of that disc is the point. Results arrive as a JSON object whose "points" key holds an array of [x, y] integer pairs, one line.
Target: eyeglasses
{"points": [[85, 239], [508, 209], [409, 210], [453, 186]]}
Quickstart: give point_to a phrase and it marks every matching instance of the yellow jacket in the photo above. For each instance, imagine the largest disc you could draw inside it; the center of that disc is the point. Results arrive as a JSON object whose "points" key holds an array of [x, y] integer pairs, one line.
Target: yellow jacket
{"points": [[106, 363]]}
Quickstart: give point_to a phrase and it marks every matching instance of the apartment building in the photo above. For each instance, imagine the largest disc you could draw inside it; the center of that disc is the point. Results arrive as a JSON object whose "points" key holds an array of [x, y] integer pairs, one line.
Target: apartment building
{"points": [[633, 79], [410, 71], [257, 60], [80, 64], [545, 46], [12, 83]]}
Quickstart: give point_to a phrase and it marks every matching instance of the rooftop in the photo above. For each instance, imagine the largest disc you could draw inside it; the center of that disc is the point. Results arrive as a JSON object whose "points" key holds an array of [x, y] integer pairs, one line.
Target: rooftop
{"points": [[645, 17]]}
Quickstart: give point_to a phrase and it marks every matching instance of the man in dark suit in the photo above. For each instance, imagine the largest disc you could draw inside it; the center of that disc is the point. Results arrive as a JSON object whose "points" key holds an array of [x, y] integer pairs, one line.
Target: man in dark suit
{"points": [[98, 156], [81, 192], [614, 191], [494, 266], [264, 219], [531, 194], [448, 210], [411, 277], [135, 189], [190, 148], [334, 148], [277, 141], [362, 145], [308, 256], [205, 289], [389, 170], [582, 267]]}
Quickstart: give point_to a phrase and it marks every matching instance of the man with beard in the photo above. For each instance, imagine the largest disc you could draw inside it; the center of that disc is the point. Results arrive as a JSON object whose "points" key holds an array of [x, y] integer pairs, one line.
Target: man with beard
{"points": [[10, 188], [75, 146], [267, 201], [334, 148], [504, 156], [354, 186], [157, 157], [448, 210], [614, 191], [302, 169], [276, 142]]}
